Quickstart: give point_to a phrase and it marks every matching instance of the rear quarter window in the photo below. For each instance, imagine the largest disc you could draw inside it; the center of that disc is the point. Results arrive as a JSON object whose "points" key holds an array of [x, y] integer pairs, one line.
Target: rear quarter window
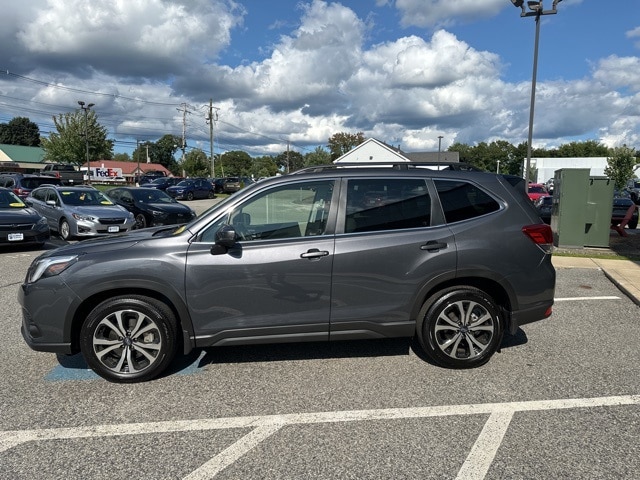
{"points": [[462, 200]]}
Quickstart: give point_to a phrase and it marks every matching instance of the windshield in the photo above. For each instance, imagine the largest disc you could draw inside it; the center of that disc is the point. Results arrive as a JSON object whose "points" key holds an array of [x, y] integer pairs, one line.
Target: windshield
{"points": [[8, 199], [152, 196], [185, 183], [84, 197], [159, 181]]}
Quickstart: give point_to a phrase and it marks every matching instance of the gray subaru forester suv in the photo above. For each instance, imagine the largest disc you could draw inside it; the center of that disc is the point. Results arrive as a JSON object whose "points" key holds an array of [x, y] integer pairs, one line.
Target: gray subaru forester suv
{"points": [[452, 256]]}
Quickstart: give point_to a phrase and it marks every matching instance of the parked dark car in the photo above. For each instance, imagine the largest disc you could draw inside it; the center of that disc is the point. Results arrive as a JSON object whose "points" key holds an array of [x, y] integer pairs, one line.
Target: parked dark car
{"points": [[234, 184], [151, 207], [148, 177], [218, 184], [20, 224], [545, 207], [191, 189], [304, 257], [162, 183], [22, 184], [620, 207]]}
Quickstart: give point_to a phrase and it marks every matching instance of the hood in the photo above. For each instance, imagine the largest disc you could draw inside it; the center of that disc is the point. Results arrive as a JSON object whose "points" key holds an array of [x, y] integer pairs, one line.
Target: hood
{"points": [[170, 207], [102, 211], [18, 215], [109, 243]]}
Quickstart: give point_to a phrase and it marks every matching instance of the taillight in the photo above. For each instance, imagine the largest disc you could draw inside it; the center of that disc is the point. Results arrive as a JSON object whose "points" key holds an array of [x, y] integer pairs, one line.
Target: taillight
{"points": [[540, 234]]}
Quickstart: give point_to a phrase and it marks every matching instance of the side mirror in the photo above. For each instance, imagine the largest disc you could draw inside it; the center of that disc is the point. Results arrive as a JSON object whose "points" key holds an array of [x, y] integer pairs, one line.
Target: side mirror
{"points": [[225, 239]]}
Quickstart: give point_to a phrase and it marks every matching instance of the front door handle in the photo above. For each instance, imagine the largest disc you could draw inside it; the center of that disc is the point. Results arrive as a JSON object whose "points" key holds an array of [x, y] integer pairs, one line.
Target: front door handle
{"points": [[433, 246], [314, 253]]}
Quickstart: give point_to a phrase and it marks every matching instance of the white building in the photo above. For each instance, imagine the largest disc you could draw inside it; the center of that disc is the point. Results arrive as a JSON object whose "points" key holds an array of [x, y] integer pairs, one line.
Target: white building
{"points": [[547, 166], [372, 150]]}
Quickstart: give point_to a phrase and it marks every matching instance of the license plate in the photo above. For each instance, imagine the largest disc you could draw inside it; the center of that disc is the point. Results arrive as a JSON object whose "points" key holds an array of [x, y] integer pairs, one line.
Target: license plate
{"points": [[15, 237], [113, 229]]}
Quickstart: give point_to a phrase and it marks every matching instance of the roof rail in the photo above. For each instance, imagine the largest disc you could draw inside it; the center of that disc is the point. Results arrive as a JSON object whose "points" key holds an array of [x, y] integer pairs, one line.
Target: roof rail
{"points": [[395, 165]]}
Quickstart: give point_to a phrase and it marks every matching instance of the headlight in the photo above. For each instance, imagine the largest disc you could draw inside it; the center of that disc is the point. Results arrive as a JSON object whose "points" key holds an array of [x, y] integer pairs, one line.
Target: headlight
{"points": [[49, 267], [157, 213], [87, 218]]}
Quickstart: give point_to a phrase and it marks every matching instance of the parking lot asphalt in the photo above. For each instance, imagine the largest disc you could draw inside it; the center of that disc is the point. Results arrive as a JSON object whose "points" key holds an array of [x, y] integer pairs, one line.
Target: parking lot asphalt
{"points": [[625, 274]]}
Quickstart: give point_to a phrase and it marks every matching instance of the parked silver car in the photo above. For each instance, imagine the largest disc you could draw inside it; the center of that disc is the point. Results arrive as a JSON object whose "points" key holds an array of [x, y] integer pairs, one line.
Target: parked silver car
{"points": [[79, 211]]}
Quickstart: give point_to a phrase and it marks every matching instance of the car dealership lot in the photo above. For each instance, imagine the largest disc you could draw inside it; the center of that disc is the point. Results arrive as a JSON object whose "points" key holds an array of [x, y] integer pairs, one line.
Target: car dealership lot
{"points": [[561, 399]]}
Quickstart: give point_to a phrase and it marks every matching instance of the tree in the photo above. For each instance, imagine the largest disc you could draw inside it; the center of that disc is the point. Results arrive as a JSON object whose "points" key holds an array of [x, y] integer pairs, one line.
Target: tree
{"points": [[290, 161], [122, 157], [588, 148], [318, 157], [620, 165], [196, 164], [264, 166], [161, 152], [342, 142], [234, 163], [20, 131], [69, 144]]}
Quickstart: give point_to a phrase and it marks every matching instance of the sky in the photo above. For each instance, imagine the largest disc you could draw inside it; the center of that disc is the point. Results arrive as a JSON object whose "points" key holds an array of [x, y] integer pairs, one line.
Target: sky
{"points": [[291, 73]]}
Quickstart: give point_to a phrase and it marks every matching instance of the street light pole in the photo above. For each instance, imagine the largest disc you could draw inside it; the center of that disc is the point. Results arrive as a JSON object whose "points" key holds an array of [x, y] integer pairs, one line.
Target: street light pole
{"points": [[440, 137], [536, 11], [86, 136]]}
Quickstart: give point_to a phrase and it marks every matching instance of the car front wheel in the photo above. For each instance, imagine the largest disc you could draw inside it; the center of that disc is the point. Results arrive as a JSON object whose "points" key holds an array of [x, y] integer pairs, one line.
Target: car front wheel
{"points": [[64, 229], [129, 338], [460, 327], [141, 221], [190, 196]]}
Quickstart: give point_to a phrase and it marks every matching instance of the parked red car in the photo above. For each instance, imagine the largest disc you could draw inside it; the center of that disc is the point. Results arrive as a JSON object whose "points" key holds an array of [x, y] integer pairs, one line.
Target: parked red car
{"points": [[536, 190]]}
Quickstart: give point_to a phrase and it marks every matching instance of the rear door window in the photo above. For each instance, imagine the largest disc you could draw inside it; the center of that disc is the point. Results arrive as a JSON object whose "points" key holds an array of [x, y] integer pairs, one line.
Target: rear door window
{"points": [[386, 204]]}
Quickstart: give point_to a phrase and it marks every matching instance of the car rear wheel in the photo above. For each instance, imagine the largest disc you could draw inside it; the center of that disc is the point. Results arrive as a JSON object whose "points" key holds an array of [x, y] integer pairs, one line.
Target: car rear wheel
{"points": [[129, 338], [64, 229], [141, 221], [460, 327]]}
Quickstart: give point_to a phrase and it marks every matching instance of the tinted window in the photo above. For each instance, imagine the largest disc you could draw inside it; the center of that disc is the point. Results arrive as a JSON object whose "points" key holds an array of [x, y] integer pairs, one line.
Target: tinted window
{"points": [[386, 204], [289, 211], [462, 200]]}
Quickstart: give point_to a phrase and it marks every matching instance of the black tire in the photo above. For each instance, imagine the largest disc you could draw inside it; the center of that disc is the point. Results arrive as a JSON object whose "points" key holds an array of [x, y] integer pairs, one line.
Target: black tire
{"points": [[141, 221], [211, 194], [111, 347], [64, 229], [462, 317], [633, 224], [190, 196]]}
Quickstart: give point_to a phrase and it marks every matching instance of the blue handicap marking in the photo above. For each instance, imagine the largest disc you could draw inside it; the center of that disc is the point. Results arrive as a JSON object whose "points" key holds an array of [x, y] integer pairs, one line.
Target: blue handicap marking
{"points": [[74, 367]]}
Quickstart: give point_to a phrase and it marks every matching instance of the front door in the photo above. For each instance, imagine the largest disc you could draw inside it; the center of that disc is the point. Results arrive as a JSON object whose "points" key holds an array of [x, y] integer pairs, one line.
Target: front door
{"points": [[274, 285]]}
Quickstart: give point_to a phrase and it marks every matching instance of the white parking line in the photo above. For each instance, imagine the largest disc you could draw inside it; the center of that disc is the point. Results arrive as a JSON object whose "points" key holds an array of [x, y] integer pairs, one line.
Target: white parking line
{"points": [[475, 466], [580, 299]]}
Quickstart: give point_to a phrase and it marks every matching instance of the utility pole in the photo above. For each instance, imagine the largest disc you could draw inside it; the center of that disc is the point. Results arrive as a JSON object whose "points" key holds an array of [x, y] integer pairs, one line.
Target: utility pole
{"points": [[210, 119], [86, 135], [184, 129], [138, 155], [287, 156]]}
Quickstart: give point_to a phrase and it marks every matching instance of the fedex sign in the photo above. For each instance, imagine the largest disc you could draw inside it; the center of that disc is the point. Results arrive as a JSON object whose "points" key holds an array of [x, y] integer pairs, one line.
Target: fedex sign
{"points": [[99, 173]]}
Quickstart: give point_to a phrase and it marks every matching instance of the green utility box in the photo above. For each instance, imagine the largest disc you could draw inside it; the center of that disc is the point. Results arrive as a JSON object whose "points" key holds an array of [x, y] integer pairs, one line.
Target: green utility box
{"points": [[598, 214], [582, 205]]}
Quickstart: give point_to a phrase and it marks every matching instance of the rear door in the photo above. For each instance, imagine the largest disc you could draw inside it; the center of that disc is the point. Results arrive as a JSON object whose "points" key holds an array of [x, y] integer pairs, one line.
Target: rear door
{"points": [[391, 245]]}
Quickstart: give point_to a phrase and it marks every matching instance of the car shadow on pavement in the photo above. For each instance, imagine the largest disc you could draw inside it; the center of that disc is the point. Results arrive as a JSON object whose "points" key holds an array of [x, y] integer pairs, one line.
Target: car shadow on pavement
{"points": [[74, 367]]}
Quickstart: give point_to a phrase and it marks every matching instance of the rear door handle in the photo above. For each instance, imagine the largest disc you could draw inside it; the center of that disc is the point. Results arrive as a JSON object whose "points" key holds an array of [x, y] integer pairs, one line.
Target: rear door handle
{"points": [[433, 246], [314, 253]]}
